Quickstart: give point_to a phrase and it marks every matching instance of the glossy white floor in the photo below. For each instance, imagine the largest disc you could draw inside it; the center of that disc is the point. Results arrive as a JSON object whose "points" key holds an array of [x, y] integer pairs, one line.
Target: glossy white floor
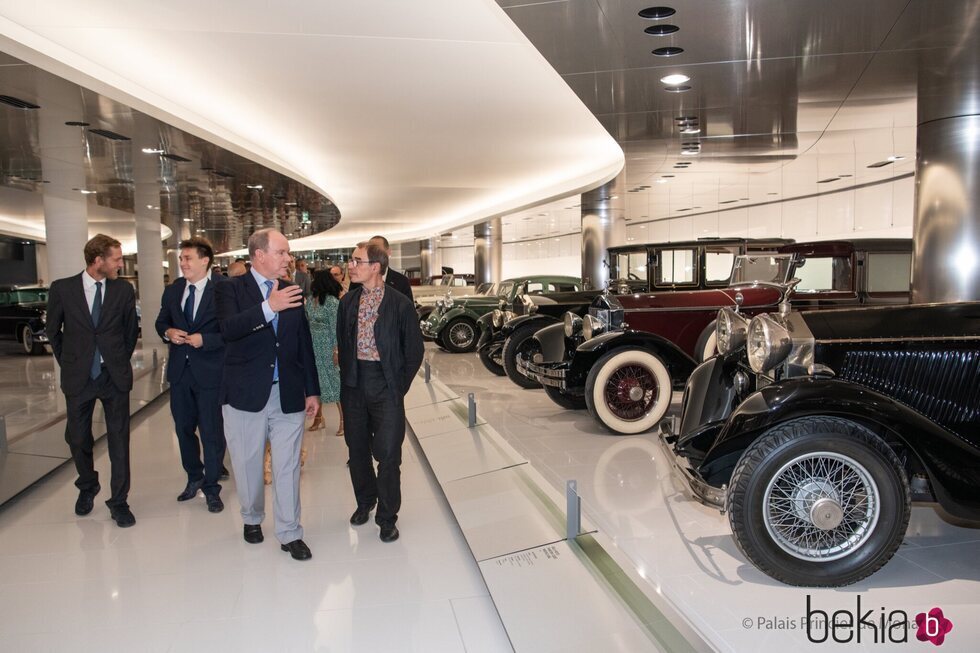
{"points": [[183, 579], [685, 550]]}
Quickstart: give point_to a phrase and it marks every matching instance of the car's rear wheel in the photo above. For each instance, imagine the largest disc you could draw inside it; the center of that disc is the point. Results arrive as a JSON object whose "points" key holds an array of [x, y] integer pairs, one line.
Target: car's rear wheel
{"points": [[628, 391], [31, 346], [566, 401], [459, 336], [493, 363], [819, 502], [520, 343]]}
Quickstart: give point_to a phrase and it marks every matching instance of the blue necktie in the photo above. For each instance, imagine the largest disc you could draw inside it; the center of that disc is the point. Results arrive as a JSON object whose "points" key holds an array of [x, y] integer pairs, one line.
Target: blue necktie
{"points": [[96, 313], [189, 304], [275, 329]]}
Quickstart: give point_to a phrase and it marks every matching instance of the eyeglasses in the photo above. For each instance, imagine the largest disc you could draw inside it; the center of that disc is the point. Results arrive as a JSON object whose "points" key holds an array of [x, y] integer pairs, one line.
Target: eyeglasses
{"points": [[355, 261]]}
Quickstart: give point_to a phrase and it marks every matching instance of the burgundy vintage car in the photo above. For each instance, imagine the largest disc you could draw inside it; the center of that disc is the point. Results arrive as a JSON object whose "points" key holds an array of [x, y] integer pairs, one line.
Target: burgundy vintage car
{"points": [[624, 358]]}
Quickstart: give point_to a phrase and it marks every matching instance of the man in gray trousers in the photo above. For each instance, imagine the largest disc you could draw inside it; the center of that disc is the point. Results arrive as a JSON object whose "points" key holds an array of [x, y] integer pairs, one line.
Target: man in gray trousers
{"points": [[269, 385]]}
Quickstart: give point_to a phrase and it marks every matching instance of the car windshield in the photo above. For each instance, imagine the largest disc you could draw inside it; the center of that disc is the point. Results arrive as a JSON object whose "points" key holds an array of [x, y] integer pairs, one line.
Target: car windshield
{"points": [[770, 268], [505, 289], [486, 289], [28, 295]]}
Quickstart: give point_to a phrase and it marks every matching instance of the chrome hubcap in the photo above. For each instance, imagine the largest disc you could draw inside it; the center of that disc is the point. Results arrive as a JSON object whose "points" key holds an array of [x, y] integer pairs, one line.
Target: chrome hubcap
{"points": [[461, 335], [636, 393]]}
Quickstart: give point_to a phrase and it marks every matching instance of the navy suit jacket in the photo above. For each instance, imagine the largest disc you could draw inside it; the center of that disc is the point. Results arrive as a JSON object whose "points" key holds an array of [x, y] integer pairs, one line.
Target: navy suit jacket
{"points": [[204, 364], [251, 348], [73, 337]]}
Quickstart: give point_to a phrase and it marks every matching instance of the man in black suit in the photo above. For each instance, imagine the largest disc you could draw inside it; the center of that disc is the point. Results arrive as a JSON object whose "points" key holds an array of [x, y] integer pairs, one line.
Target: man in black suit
{"points": [[380, 347], [188, 322], [269, 380], [390, 277], [92, 328]]}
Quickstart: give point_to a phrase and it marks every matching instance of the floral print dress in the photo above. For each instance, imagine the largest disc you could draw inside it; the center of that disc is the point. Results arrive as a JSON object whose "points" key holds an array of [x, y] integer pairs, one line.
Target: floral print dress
{"points": [[323, 327]]}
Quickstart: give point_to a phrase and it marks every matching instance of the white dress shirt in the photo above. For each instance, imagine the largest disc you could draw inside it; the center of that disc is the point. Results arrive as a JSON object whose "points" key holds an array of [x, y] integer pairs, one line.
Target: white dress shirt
{"points": [[198, 293]]}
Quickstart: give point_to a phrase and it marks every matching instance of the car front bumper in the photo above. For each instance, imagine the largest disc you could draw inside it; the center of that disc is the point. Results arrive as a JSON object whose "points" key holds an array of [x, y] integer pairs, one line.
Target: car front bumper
{"points": [[550, 374]]}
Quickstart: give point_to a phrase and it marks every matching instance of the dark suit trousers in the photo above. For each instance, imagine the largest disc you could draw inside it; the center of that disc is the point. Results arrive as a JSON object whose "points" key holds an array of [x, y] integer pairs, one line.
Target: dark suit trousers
{"points": [[374, 424], [196, 408], [78, 435]]}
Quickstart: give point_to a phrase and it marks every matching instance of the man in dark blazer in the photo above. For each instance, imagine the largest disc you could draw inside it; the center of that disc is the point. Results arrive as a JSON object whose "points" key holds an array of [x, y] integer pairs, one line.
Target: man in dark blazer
{"points": [[92, 328], [189, 323], [380, 348], [391, 278], [269, 383]]}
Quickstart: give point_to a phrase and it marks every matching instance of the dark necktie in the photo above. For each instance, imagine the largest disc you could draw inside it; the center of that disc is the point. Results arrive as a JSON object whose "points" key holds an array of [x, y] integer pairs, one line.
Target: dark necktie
{"points": [[96, 313], [189, 304], [275, 328]]}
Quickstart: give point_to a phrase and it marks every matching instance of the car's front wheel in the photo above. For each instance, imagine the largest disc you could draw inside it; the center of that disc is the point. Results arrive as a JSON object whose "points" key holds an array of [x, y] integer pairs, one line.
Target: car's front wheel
{"points": [[628, 391], [818, 502], [459, 336], [493, 363], [31, 346], [566, 401], [520, 343]]}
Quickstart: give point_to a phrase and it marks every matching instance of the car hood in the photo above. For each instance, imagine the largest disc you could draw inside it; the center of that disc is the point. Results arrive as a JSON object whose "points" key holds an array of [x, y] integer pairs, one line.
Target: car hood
{"points": [[918, 321]]}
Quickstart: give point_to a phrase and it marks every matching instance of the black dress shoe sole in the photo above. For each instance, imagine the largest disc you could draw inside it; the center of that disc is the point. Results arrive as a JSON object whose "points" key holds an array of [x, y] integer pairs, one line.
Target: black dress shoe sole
{"points": [[303, 555]]}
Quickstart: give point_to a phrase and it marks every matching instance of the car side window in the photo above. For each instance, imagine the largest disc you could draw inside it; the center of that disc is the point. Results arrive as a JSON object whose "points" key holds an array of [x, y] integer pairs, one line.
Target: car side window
{"points": [[889, 272], [718, 262], [4, 298], [676, 267], [535, 288], [825, 274]]}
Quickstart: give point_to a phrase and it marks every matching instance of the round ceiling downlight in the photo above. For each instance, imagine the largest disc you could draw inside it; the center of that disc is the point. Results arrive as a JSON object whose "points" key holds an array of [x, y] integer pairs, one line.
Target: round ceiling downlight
{"points": [[675, 79], [662, 30], [670, 51], [657, 13]]}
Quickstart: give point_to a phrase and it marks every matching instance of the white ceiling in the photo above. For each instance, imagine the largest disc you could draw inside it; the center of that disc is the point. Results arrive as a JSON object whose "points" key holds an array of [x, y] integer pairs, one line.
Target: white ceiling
{"points": [[413, 118]]}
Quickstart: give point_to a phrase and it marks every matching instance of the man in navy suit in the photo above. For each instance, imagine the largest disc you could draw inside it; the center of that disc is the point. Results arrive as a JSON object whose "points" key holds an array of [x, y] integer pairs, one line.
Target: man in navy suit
{"points": [[92, 328], [269, 385], [188, 322]]}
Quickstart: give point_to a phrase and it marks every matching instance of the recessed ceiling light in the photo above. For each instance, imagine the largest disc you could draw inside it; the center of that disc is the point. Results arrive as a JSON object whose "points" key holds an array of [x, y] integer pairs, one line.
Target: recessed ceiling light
{"points": [[676, 78], [895, 157], [828, 180], [661, 181], [688, 152], [77, 123], [188, 220], [152, 150], [670, 51], [691, 130], [844, 176], [662, 30], [668, 176], [253, 186], [657, 13], [677, 89], [85, 191], [880, 164]]}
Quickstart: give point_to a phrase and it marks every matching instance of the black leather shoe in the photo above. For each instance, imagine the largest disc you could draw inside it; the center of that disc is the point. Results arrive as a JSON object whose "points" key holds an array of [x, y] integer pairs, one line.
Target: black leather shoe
{"points": [[253, 533], [297, 549], [215, 504], [389, 533], [123, 516], [361, 515], [223, 475], [190, 491], [86, 501]]}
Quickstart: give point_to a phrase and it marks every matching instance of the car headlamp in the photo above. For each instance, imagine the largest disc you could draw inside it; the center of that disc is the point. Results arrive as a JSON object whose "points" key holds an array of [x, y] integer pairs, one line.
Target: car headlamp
{"points": [[573, 325], [592, 326], [768, 343], [731, 329]]}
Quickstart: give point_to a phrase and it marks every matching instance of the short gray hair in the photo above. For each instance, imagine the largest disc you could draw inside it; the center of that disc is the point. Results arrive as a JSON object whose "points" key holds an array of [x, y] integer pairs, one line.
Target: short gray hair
{"points": [[259, 240], [375, 254]]}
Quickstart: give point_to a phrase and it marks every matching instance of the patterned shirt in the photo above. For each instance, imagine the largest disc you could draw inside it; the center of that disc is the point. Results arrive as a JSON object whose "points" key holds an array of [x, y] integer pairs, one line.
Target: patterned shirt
{"points": [[367, 315]]}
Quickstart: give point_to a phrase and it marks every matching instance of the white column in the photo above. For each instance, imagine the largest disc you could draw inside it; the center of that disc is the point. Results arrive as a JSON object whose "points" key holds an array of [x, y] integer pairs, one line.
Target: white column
{"points": [[66, 229]]}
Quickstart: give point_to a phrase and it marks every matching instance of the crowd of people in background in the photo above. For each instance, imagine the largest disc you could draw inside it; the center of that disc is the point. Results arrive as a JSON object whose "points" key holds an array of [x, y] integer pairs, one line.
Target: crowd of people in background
{"points": [[252, 355]]}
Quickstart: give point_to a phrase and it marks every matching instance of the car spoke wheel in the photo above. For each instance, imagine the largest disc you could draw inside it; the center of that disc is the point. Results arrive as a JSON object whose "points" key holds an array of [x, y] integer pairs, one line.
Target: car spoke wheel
{"points": [[818, 502], [460, 335], [521, 343], [31, 346], [493, 363], [628, 390]]}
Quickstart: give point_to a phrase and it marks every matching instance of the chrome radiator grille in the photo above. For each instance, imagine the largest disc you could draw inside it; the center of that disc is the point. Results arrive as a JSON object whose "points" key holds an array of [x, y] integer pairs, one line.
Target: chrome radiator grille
{"points": [[944, 386]]}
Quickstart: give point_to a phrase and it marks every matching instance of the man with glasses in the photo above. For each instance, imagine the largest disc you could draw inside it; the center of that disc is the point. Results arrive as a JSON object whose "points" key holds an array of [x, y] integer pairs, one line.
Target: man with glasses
{"points": [[269, 382], [380, 347]]}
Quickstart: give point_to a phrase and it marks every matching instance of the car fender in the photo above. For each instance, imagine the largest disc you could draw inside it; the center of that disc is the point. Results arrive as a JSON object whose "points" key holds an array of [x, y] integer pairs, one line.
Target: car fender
{"points": [[679, 364], [541, 321], [552, 341], [951, 464]]}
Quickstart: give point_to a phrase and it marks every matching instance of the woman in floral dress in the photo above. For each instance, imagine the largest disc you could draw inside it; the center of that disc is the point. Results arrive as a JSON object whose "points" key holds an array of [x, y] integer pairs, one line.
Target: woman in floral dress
{"points": [[321, 309]]}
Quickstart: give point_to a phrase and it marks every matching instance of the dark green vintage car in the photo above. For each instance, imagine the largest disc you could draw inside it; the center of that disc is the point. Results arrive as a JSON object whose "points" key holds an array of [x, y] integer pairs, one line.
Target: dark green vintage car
{"points": [[453, 322]]}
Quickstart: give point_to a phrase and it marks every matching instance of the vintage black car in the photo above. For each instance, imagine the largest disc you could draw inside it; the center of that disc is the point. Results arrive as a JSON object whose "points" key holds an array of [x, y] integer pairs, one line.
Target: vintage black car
{"points": [[661, 267], [622, 359], [815, 431], [23, 310]]}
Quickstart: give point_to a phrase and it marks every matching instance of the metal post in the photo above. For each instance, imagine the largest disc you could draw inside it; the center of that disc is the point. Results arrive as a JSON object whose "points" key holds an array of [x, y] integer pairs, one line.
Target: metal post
{"points": [[428, 371], [155, 360], [472, 411], [573, 510], [3, 434]]}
